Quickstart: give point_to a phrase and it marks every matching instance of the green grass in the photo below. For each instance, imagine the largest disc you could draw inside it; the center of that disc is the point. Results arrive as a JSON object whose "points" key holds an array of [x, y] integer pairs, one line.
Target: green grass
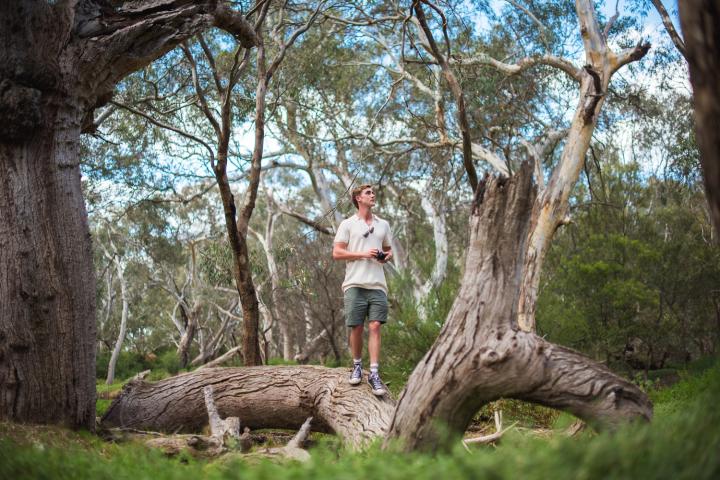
{"points": [[682, 442]]}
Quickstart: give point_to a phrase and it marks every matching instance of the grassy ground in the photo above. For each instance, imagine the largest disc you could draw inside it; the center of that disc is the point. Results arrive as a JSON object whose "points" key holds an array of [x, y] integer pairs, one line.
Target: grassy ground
{"points": [[683, 441]]}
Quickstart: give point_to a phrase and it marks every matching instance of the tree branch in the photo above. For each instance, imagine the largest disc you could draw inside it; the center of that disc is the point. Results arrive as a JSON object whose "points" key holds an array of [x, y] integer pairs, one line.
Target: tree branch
{"points": [[166, 126], [294, 36], [630, 55], [200, 93], [118, 40], [670, 27], [592, 36], [236, 24], [457, 93], [307, 221]]}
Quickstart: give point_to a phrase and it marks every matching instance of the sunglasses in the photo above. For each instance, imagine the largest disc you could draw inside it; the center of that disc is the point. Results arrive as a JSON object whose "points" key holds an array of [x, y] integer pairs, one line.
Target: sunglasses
{"points": [[371, 230]]}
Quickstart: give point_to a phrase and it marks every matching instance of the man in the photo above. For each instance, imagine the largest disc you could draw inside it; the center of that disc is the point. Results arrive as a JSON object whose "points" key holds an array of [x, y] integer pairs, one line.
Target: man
{"points": [[363, 241]]}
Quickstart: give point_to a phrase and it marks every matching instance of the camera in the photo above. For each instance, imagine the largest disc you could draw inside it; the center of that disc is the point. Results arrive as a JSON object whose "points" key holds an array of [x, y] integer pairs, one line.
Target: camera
{"points": [[380, 255]]}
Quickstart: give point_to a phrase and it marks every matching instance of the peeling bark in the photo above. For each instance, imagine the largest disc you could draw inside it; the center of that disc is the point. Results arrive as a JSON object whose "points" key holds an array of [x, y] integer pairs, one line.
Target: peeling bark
{"points": [[551, 206]]}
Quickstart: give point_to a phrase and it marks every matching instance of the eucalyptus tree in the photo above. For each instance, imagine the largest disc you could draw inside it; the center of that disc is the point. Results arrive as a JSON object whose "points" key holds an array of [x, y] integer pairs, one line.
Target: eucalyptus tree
{"points": [[167, 247], [631, 280], [487, 348], [215, 83], [117, 259], [698, 45], [334, 116], [60, 60]]}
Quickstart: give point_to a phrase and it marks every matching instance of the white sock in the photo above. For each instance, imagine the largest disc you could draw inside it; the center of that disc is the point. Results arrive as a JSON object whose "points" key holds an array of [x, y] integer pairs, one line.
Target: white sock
{"points": [[374, 367], [357, 361]]}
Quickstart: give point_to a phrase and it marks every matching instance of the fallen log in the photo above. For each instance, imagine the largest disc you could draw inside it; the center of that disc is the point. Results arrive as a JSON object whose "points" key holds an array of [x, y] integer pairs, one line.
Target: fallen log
{"points": [[262, 397]]}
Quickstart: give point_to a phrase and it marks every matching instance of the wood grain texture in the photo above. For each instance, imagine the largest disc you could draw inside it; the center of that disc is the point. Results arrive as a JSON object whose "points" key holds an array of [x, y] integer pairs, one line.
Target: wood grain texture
{"points": [[262, 397], [482, 355]]}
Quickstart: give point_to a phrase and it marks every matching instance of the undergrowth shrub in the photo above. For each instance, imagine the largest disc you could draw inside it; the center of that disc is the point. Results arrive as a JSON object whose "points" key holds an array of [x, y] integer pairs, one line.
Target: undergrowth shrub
{"points": [[690, 387], [168, 361], [128, 364], [407, 337], [680, 443], [525, 414]]}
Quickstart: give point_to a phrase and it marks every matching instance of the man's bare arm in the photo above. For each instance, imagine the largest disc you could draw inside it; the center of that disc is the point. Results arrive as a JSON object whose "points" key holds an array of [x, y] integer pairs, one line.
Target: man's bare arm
{"points": [[340, 252]]}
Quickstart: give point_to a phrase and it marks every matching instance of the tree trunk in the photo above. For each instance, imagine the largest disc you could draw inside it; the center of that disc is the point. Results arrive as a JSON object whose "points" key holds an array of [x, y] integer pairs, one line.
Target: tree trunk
{"points": [[47, 284], [262, 397], [283, 321], [550, 207], [436, 218], [58, 60], [482, 355], [701, 28], [188, 335], [123, 321]]}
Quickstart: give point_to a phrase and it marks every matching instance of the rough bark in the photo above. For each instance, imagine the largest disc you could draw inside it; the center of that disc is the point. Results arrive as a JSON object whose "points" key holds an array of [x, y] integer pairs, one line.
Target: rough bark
{"points": [[262, 397], [58, 61], [251, 311], [47, 279], [700, 21], [481, 354]]}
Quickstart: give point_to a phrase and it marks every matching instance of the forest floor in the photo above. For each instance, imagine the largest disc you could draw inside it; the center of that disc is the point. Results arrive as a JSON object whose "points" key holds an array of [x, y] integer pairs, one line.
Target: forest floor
{"points": [[682, 441]]}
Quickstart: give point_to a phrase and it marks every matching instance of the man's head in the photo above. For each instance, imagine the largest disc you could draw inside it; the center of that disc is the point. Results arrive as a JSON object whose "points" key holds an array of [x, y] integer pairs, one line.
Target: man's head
{"points": [[365, 190]]}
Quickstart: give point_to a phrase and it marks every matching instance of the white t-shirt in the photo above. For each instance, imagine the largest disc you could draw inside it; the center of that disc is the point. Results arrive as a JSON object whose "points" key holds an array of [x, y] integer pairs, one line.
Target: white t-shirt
{"points": [[365, 273]]}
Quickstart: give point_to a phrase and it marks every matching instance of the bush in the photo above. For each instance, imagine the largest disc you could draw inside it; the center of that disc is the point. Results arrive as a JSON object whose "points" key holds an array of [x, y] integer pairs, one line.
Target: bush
{"points": [[128, 364], [407, 337], [690, 387], [169, 361]]}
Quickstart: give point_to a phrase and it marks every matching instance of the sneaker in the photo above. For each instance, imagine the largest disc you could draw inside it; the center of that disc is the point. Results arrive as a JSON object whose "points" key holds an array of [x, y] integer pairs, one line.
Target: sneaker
{"points": [[356, 375], [376, 384]]}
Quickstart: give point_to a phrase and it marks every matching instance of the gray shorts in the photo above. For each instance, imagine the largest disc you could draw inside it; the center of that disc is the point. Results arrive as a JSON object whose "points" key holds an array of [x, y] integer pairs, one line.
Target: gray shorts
{"points": [[361, 303]]}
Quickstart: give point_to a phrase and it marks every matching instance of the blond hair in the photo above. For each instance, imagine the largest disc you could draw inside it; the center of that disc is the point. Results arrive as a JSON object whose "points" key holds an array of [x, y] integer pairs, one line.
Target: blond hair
{"points": [[357, 191]]}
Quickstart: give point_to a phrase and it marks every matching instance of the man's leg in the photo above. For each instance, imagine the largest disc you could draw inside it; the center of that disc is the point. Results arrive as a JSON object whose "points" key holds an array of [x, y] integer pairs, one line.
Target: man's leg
{"points": [[374, 348], [356, 342], [355, 312], [373, 342], [377, 315]]}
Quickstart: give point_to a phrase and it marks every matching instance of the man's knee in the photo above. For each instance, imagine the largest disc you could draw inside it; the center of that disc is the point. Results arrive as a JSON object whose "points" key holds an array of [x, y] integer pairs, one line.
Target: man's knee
{"points": [[374, 326]]}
